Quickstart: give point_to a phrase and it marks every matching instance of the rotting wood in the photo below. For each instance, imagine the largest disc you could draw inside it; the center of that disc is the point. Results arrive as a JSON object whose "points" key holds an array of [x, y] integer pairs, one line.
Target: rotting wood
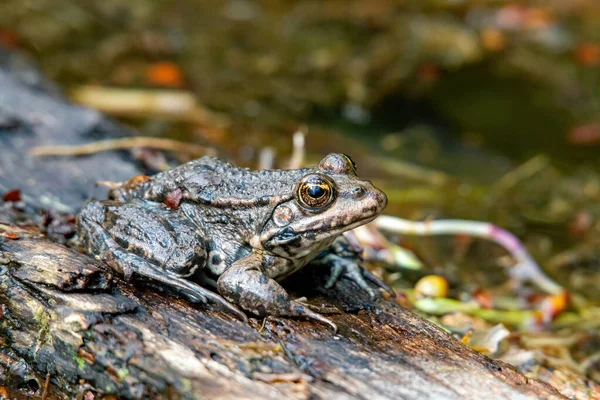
{"points": [[66, 315]]}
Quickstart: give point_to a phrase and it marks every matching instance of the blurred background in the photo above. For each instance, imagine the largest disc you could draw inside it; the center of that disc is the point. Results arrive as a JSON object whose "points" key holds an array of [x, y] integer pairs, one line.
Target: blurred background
{"points": [[510, 77], [472, 109]]}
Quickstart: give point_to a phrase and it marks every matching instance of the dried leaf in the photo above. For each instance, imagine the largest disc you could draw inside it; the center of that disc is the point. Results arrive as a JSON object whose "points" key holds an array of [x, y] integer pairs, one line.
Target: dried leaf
{"points": [[12, 195]]}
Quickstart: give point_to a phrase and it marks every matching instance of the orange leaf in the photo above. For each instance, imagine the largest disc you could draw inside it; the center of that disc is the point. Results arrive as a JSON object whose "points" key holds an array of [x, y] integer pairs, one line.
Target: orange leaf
{"points": [[12, 195], [493, 39], [588, 54], [582, 135], [11, 236], [165, 73], [428, 72], [8, 39]]}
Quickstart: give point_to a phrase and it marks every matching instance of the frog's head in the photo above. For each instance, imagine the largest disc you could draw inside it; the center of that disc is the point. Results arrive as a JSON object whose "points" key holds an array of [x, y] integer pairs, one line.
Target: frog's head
{"points": [[327, 201]]}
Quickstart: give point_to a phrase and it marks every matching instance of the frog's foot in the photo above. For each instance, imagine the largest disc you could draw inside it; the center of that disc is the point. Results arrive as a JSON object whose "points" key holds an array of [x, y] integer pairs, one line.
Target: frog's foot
{"points": [[245, 285], [322, 309], [128, 264], [348, 268]]}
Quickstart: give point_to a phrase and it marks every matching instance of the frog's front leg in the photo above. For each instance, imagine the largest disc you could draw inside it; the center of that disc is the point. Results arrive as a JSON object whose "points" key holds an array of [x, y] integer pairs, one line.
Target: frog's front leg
{"points": [[147, 240], [343, 259], [244, 284]]}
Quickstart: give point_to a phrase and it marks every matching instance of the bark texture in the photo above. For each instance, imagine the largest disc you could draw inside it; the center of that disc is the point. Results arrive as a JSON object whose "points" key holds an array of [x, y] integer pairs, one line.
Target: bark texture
{"points": [[64, 314]]}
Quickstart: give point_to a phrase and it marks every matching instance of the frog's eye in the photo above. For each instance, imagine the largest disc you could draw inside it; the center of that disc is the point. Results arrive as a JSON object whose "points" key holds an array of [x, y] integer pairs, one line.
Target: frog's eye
{"points": [[315, 192]]}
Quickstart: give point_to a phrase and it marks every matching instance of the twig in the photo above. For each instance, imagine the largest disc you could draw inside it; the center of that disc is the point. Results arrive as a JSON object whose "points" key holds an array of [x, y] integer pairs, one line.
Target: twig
{"points": [[537, 341], [526, 266], [266, 158], [170, 104], [262, 325], [377, 247], [412, 171], [46, 387], [121, 144], [522, 172], [298, 148], [590, 361]]}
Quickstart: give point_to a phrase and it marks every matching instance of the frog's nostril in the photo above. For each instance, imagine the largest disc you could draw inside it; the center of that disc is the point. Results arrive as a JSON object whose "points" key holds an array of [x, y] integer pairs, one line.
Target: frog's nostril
{"points": [[358, 191]]}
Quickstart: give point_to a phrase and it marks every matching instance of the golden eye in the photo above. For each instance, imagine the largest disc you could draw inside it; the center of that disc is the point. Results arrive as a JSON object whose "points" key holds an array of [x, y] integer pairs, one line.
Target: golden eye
{"points": [[315, 192]]}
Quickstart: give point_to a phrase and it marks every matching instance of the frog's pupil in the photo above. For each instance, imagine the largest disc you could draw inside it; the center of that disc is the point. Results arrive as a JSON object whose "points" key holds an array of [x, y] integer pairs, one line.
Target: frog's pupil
{"points": [[315, 191]]}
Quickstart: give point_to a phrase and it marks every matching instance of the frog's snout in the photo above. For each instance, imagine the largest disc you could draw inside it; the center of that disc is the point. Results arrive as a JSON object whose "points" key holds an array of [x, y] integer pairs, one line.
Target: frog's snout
{"points": [[375, 199], [381, 199]]}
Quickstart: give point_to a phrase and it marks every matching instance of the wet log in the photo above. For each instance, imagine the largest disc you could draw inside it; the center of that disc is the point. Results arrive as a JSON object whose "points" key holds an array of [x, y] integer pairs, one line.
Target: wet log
{"points": [[33, 113], [69, 328], [65, 315]]}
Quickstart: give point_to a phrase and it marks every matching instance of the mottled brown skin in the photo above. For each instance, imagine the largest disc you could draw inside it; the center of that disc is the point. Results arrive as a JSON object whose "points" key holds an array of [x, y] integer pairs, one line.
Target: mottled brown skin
{"points": [[239, 230]]}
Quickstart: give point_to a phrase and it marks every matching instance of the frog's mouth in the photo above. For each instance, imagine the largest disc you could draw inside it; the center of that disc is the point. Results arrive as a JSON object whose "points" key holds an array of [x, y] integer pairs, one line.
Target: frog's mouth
{"points": [[333, 227], [315, 233]]}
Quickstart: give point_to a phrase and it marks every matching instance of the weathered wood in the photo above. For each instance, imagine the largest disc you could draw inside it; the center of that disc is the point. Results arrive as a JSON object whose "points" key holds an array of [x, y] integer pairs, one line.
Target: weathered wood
{"points": [[32, 113], [64, 314]]}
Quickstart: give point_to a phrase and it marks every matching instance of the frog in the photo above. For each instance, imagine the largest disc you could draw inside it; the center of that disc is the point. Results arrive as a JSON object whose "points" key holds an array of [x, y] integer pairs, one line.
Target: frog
{"points": [[222, 234]]}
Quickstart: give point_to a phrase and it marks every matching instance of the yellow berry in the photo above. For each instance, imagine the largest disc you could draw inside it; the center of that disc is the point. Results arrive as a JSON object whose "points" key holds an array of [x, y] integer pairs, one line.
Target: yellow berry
{"points": [[432, 286]]}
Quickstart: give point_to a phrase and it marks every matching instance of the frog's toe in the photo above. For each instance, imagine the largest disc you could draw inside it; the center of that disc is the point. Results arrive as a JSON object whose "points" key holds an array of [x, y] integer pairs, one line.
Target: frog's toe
{"points": [[362, 276], [349, 269], [205, 296], [215, 298], [336, 273], [355, 274], [195, 297], [301, 310], [377, 282]]}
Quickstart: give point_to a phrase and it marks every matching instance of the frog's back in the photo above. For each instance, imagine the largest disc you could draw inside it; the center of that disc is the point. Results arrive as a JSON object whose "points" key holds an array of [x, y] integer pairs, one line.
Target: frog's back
{"points": [[209, 179]]}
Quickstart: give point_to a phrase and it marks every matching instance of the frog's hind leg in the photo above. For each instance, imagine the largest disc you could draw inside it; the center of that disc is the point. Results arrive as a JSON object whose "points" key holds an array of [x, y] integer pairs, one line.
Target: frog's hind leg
{"points": [[245, 285], [99, 241], [193, 291]]}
